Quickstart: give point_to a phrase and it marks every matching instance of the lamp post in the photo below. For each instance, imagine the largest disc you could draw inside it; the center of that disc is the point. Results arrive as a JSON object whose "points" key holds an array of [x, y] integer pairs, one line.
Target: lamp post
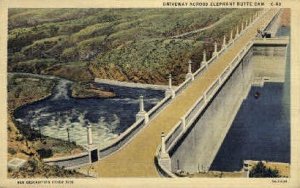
{"points": [[68, 131], [89, 135]]}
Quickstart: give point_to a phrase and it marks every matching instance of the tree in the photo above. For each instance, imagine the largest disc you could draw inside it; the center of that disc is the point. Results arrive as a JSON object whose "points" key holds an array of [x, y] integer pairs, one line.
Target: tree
{"points": [[260, 171]]}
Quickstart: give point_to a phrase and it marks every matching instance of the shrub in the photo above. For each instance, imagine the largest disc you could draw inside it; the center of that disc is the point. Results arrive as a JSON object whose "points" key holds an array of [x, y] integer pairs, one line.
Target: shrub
{"points": [[45, 153], [12, 151], [261, 171], [32, 165]]}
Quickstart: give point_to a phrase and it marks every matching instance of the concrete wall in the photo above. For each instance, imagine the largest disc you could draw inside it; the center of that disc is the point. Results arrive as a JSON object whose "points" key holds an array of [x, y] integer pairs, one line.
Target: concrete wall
{"points": [[197, 151], [70, 162], [274, 24], [200, 145], [273, 66]]}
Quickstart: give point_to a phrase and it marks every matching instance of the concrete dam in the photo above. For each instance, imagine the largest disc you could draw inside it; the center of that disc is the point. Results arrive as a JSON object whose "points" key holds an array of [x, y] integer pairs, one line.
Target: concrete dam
{"points": [[198, 147], [185, 130]]}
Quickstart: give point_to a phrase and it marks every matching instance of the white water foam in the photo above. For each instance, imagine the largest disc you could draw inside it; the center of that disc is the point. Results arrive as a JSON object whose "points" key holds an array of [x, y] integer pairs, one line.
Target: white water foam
{"points": [[61, 90], [101, 130]]}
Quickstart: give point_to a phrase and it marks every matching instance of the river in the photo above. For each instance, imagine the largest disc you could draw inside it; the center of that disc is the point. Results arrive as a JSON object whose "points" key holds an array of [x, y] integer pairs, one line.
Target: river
{"points": [[108, 117]]}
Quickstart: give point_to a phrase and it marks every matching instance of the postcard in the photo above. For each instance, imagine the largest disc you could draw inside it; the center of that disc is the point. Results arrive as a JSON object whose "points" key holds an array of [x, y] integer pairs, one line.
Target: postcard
{"points": [[149, 93]]}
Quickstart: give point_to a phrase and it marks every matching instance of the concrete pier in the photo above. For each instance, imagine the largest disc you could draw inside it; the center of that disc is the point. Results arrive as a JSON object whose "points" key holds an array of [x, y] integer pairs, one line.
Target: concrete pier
{"points": [[204, 61], [170, 90], [215, 53], [237, 32], [89, 135], [164, 157], [231, 36], [189, 75], [224, 42], [93, 152], [142, 114]]}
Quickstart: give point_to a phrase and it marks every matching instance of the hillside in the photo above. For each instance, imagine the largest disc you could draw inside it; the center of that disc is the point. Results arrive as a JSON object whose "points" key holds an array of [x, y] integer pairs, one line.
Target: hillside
{"points": [[124, 44]]}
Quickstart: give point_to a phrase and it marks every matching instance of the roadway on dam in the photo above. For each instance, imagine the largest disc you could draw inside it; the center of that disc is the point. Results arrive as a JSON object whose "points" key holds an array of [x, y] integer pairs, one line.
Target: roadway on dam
{"points": [[136, 159]]}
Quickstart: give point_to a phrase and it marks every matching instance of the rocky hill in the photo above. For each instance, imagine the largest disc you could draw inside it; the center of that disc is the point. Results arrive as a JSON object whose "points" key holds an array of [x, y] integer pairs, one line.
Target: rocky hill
{"points": [[124, 44]]}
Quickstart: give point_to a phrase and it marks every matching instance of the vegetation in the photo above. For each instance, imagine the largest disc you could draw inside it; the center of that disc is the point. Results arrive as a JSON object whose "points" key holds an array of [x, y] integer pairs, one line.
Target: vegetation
{"points": [[124, 44], [34, 168], [11, 151], [261, 171], [89, 90], [45, 153], [20, 89]]}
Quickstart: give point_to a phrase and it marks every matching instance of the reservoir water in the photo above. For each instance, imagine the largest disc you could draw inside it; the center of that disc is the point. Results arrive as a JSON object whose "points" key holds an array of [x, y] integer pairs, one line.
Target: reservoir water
{"points": [[261, 129], [108, 117]]}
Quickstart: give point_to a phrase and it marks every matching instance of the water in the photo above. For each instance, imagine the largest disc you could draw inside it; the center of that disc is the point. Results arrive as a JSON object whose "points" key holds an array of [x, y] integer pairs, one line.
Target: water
{"points": [[283, 31], [261, 129], [108, 117]]}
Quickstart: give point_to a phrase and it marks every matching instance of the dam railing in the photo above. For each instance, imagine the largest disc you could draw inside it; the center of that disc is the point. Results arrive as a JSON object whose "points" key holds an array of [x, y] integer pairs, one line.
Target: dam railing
{"points": [[121, 139]]}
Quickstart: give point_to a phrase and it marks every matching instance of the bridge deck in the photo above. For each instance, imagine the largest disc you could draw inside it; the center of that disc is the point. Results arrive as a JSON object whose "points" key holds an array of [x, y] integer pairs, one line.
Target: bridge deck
{"points": [[136, 159]]}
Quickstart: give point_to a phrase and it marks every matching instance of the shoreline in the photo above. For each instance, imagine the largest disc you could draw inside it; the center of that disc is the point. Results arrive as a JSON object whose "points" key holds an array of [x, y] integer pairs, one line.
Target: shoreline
{"points": [[131, 84], [88, 90]]}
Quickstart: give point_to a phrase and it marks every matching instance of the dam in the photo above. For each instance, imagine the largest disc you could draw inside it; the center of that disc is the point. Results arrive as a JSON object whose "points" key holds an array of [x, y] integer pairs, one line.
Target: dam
{"points": [[185, 130], [245, 114], [267, 136]]}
